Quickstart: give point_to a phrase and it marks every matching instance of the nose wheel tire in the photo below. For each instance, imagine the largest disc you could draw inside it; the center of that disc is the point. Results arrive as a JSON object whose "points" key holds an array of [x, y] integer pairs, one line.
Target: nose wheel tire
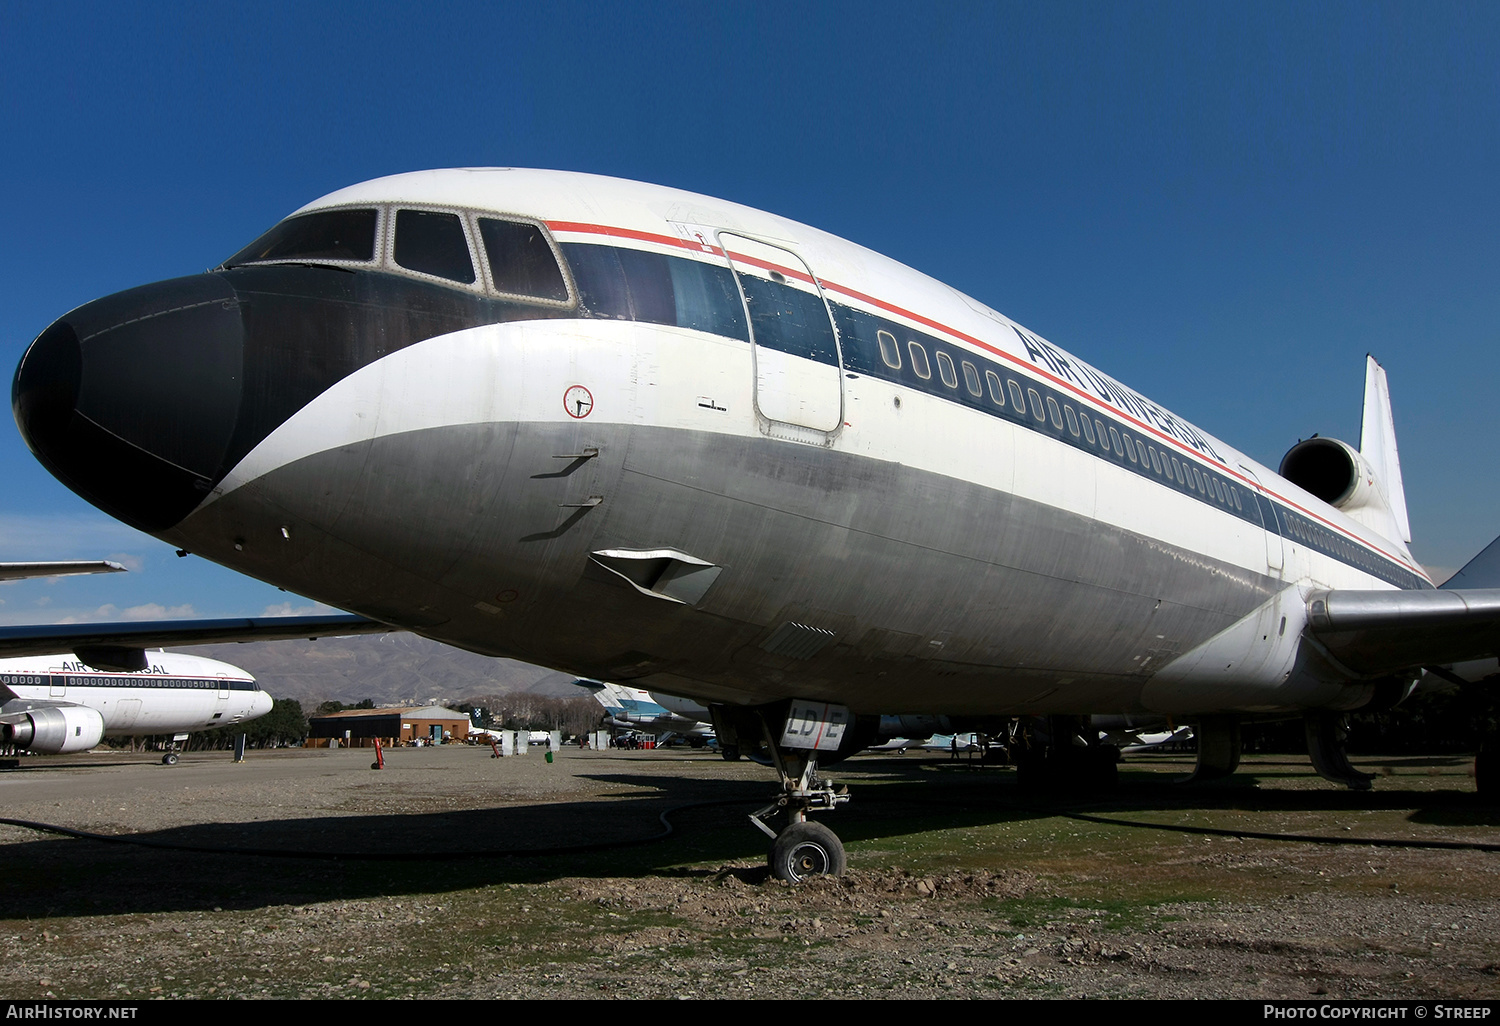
{"points": [[170, 759], [807, 849]]}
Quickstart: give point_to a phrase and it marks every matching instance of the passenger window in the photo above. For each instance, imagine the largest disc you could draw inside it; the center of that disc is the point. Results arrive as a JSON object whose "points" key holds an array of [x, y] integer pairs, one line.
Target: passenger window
{"points": [[1155, 461], [1103, 438], [433, 243], [1054, 412], [1016, 398], [1140, 448], [1072, 420], [890, 353], [945, 369], [521, 261], [971, 379], [1177, 471], [322, 235], [997, 390], [1234, 493], [919, 360], [1036, 405], [1114, 437], [1129, 447], [1088, 428]]}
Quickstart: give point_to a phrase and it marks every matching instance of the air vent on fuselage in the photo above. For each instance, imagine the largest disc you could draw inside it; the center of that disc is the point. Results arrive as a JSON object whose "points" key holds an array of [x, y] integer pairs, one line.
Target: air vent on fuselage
{"points": [[797, 640]]}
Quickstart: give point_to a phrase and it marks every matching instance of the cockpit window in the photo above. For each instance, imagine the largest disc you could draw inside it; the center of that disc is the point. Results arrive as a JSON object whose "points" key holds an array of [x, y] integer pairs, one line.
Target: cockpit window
{"points": [[322, 235], [521, 262], [433, 243]]}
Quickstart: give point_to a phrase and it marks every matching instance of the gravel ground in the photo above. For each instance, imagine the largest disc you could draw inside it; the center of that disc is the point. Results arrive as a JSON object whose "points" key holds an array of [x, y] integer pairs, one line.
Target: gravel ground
{"points": [[959, 886]]}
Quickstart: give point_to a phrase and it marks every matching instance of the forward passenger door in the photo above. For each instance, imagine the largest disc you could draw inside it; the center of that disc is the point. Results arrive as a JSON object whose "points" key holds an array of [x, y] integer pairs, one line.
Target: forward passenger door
{"points": [[794, 345]]}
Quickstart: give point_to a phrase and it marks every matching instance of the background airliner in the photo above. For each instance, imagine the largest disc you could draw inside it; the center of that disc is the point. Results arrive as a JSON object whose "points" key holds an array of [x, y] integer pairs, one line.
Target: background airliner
{"points": [[646, 435], [638, 709], [52, 704]]}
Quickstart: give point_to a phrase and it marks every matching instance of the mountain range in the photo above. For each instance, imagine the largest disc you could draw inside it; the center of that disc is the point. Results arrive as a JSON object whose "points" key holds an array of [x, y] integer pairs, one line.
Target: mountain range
{"points": [[392, 669]]}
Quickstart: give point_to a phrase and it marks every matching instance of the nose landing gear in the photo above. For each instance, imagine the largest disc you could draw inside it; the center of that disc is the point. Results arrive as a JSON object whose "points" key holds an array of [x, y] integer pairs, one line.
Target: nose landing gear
{"points": [[803, 848]]}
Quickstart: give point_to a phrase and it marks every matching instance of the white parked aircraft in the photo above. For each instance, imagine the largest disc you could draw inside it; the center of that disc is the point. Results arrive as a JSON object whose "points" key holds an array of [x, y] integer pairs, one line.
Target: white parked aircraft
{"points": [[645, 435], [55, 704], [638, 709]]}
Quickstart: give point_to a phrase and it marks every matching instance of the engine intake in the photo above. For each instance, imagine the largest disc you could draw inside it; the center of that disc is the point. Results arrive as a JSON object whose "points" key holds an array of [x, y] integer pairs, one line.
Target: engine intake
{"points": [[1326, 467]]}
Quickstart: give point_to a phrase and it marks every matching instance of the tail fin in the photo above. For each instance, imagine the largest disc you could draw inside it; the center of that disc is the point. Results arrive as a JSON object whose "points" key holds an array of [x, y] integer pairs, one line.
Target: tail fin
{"points": [[1377, 444]]}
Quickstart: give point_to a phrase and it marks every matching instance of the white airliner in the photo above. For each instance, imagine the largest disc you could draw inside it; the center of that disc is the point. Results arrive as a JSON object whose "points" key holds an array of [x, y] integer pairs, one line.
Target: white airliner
{"points": [[645, 435], [638, 709], [54, 704]]}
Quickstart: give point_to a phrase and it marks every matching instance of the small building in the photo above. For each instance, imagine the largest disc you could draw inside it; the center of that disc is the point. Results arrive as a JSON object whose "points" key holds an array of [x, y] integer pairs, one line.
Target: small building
{"points": [[363, 726]]}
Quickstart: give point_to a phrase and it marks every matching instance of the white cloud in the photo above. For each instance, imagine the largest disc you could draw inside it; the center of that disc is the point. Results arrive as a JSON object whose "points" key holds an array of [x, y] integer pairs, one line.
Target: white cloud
{"points": [[157, 611], [287, 609]]}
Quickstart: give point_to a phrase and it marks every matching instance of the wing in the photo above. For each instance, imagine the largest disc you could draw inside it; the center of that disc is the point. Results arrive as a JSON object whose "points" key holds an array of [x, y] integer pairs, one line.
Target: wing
{"points": [[121, 646], [63, 568], [1374, 633]]}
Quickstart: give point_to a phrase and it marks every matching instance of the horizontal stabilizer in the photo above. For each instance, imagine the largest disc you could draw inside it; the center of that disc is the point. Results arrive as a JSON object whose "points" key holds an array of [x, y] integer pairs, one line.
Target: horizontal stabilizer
{"points": [[53, 639], [1375, 633], [63, 568], [1483, 571]]}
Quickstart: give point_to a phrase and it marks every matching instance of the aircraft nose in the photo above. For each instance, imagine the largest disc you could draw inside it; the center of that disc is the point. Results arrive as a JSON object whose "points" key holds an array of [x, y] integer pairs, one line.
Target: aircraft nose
{"points": [[260, 705], [132, 400]]}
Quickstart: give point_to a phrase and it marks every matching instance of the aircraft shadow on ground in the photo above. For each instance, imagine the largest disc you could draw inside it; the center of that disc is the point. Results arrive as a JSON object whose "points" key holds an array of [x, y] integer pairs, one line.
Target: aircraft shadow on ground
{"points": [[464, 849]]}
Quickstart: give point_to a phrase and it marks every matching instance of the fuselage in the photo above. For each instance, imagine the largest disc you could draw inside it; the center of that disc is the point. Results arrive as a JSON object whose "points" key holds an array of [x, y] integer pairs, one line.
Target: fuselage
{"points": [[645, 435], [175, 693]]}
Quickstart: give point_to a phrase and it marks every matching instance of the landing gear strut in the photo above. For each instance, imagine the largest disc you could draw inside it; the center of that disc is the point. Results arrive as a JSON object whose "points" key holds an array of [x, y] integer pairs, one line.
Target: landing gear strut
{"points": [[1326, 734], [1218, 748], [1063, 754], [802, 848]]}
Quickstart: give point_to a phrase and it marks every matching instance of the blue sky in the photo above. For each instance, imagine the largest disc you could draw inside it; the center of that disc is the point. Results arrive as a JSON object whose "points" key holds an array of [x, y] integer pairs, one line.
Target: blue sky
{"points": [[1223, 205]]}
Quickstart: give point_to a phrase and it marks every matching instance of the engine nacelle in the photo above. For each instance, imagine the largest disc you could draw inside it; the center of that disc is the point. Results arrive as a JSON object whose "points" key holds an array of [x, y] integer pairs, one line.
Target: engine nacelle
{"points": [[56, 729], [1332, 470], [1335, 472]]}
